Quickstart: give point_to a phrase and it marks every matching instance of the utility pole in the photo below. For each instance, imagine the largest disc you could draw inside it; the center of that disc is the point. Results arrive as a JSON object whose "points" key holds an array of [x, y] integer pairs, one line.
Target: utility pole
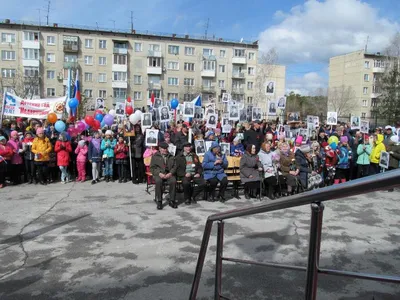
{"points": [[40, 21], [206, 28], [48, 12], [131, 21]]}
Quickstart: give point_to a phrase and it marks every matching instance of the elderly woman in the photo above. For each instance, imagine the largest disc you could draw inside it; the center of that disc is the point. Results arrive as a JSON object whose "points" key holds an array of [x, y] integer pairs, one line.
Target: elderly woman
{"points": [[250, 167], [289, 167], [267, 160]]}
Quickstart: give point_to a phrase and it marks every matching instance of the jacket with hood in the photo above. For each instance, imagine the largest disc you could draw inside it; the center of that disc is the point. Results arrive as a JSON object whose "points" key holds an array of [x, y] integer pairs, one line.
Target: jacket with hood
{"points": [[211, 170], [108, 147], [121, 151], [63, 149], [81, 152], [363, 155], [43, 147], [5, 153], [16, 146], [377, 149], [249, 165], [303, 166]]}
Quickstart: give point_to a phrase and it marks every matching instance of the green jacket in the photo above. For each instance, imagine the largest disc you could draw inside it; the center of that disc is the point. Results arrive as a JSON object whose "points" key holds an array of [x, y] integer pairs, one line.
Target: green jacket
{"points": [[363, 155], [158, 165]]}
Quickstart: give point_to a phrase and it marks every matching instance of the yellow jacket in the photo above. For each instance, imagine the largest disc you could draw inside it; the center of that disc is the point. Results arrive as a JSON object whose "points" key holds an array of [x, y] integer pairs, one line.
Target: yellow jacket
{"points": [[377, 149], [42, 147]]}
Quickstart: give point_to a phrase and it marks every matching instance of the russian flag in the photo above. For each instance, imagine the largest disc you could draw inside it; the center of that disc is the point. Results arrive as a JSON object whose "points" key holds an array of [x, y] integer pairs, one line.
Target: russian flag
{"points": [[197, 101], [77, 92]]}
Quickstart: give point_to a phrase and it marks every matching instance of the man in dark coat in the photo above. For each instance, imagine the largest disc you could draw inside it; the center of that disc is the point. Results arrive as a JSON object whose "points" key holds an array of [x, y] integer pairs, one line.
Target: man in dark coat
{"points": [[188, 167], [254, 136], [303, 164], [163, 168], [181, 138]]}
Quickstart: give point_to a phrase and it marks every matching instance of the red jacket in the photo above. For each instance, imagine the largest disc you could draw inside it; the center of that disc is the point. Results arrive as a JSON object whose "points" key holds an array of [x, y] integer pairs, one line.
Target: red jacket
{"points": [[121, 151], [5, 153], [63, 157]]}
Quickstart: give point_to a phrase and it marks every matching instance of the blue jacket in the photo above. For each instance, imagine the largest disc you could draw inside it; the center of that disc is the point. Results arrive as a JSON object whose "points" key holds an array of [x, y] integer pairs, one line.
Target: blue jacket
{"points": [[209, 169], [238, 147], [108, 147]]}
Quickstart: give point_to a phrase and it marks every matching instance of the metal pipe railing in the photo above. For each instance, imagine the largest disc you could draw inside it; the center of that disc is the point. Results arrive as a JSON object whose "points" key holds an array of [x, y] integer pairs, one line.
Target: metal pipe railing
{"points": [[381, 181]]}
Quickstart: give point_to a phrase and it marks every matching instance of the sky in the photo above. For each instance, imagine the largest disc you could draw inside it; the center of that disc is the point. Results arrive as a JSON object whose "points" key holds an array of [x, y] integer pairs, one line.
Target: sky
{"points": [[305, 33]]}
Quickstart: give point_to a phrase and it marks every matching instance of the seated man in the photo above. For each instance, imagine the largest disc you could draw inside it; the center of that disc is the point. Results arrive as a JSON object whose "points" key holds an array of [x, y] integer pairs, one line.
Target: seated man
{"points": [[188, 167], [163, 167], [214, 164]]}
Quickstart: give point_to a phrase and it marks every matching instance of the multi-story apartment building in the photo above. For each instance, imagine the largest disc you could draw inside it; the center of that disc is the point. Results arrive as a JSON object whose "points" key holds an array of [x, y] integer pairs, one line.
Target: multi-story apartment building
{"points": [[360, 71], [113, 65]]}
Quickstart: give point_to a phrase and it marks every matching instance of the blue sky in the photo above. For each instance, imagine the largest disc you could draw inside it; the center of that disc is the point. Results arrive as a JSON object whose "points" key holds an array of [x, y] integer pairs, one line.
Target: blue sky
{"points": [[304, 33]]}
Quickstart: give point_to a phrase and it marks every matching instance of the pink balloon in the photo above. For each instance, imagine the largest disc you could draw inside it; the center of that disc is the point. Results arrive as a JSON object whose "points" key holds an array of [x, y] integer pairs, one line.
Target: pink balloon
{"points": [[80, 126]]}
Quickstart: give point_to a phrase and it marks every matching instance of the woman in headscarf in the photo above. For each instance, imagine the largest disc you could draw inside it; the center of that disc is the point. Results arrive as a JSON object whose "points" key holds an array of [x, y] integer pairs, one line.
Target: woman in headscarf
{"points": [[289, 167], [250, 168]]}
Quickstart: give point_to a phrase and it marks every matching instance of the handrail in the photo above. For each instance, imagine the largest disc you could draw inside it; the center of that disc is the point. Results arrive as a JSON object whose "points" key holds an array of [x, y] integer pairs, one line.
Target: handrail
{"points": [[377, 182]]}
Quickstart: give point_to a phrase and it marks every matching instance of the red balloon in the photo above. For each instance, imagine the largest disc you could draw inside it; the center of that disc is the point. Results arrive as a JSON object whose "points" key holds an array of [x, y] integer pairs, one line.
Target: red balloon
{"points": [[98, 111], [129, 99], [89, 120], [96, 125], [129, 110], [71, 119]]}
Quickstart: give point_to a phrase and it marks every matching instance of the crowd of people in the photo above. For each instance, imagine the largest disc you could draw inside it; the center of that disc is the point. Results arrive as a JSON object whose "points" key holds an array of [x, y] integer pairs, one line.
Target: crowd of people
{"points": [[33, 152]]}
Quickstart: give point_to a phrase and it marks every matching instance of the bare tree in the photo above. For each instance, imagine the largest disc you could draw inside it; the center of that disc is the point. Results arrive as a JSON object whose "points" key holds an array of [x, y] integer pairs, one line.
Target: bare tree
{"points": [[341, 99], [264, 71], [23, 86]]}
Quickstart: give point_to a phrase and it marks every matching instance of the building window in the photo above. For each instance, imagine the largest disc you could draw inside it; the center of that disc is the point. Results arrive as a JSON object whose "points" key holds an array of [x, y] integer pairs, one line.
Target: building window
{"points": [[89, 43], [51, 74], [221, 84], [173, 81], [363, 115], [154, 62], [51, 92], [251, 71], [8, 73], [51, 40], [250, 85], [7, 55], [189, 50], [172, 96], [102, 60], [188, 97], [188, 66], [366, 77], [102, 94], [208, 52], [378, 64], [222, 53], [119, 76], [88, 77], [366, 64], [207, 83], [138, 47], [365, 90], [173, 49], [364, 103], [137, 79], [31, 53], [102, 77], [88, 60], [157, 93], [374, 102], [249, 100], [88, 93], [31, 36], [173, 65], [154, 47], [239, 53], [31, 72], [209, 65], [71, 58], [120, 59], [221, 68], [50, 57], [102, 44], [188, 81], [252, 55], [8, 38], [154, 78], [137, 95]]}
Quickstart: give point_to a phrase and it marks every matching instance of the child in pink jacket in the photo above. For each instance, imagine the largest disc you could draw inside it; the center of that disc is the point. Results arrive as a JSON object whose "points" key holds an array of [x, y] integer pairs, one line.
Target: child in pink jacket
{"points": [[81, 156]]}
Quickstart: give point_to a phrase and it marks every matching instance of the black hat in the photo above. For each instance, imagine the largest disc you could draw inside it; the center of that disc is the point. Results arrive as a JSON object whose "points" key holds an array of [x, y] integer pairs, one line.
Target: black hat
{"points": [[187, 144], [184, 125], [163, 145]]}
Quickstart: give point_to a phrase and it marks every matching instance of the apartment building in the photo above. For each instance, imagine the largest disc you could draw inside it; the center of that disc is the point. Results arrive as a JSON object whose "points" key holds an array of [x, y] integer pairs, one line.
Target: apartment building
{"points": [[359, 70], [115, 64]]}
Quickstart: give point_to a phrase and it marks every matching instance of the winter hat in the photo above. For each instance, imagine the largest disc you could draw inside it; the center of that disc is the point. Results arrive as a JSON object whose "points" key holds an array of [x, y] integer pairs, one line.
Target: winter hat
{"points": [[394, 139], [81, 143], [163, 145], [344, 139], [2, 138], [315, 144], [236, 139], [324, 144], [269, 136], [305, 149], [299, 139], [14, 133], [39, 130], [209, 133], [109, 132], [217, 131]]}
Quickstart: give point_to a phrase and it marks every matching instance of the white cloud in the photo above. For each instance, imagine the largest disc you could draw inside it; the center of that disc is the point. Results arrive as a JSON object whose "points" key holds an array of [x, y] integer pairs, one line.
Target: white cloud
{"points": [[318, 30], [306, 84]]}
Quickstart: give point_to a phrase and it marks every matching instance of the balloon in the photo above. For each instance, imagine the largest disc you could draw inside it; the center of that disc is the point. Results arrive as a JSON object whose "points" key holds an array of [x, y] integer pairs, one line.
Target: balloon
{"points": [[129, 99], [333, 145], [73, 103], [129, 110], [98, 111], [102, 124], [89, 120], [112, 112], [71, 131], [174, 103], [80, 126], [59, 126], [108, 119], [52, 118], [333, 139], [99, 117], [134, 119], [71, 119], [86, 125], [96, 124], [139, 114]]}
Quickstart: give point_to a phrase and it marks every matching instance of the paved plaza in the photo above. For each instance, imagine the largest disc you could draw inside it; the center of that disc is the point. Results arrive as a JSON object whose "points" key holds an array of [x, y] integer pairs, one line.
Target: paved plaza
{"points": [[107, 241]]}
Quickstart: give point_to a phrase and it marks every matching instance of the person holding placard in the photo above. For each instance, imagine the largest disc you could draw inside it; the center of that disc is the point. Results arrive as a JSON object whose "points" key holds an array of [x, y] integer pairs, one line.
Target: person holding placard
{"points": [[377, 148]]}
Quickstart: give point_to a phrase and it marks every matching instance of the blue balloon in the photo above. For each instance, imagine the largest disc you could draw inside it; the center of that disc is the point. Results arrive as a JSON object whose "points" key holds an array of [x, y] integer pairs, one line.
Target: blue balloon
{"points": [[59, 126], [73, 103], [333, 145], [102, 124], [99, 117], [174, 103]]}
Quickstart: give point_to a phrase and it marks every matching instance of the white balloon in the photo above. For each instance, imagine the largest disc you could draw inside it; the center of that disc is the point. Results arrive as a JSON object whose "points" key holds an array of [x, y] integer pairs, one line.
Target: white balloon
{"points": [[139, 114], [112, 112], [134, 119]]}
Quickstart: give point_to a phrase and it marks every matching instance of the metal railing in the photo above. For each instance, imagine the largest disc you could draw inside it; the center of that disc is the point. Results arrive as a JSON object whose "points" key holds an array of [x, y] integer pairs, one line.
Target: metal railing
{"points": [[352, 188]]}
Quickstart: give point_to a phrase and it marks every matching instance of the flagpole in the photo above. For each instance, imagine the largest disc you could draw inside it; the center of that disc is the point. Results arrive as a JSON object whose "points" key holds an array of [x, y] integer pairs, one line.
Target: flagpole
{"points": [[2, 109]]}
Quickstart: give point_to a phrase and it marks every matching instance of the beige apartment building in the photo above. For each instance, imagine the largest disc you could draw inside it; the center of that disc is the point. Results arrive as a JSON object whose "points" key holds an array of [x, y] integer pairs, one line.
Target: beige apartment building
{"points": [[113, 65], [359, 70]]}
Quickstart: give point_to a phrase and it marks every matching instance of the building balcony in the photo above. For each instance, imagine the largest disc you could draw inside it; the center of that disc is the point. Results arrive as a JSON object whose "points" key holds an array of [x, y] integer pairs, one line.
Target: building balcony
{"points": [[152, 53], [122, 51], [31, 44], [31, 63], [119, 68], [119, 84], [70, 65], [239, 60], [238, 75], [154, 86], [73, 48], [208, 89], [154, 70], [378, 69], [238, 90], [208, 73], [375, 95]]}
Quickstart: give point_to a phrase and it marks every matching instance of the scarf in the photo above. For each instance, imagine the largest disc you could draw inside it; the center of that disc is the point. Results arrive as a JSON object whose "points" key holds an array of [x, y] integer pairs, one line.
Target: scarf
{"points": [[96, 143]]}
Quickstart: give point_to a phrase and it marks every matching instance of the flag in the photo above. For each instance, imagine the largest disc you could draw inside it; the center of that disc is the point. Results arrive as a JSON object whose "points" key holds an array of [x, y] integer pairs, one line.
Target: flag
{"points": [[197, 101], [152, 99], [77, 92]]}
